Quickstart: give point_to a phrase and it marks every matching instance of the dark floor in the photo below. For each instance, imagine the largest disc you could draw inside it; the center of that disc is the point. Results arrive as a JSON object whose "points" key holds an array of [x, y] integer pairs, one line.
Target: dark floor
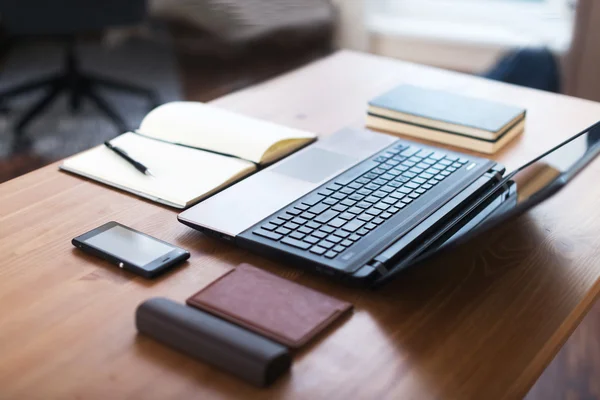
{"points": [[574, 374]]}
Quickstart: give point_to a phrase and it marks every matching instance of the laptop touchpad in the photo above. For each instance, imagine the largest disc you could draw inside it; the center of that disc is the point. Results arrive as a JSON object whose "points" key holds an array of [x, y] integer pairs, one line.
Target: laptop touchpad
{"points": [[314, 165]]}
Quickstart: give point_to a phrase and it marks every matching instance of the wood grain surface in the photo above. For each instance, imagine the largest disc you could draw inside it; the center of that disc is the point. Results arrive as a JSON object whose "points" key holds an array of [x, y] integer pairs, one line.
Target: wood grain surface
{"points": [[482, 322]]}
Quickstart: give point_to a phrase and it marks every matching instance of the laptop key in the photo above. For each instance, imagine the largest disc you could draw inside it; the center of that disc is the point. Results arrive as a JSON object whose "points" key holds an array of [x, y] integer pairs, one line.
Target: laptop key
{"points": [[365, 217], [277, 221], [338, 196], [411, 185], [386, 215], [362, 231], [372, 199], [379, 193], [356, 197], [286, 216], [390, 200], [327, 229], [326, 216], [326, 244], [296, 243], [283, 231], [363, 204], [426, 175], [329, 201], [348, 202], [414, 195], [420, 190], [437, 155], [331, 254], [347, 216], [355, 210], [370, 226], [290, 225], [426, 186], [297, 235], [397, 195], [388, 189], [302, 207], [318, 250], [299, 221], [267, 234], [341, 233], [313, 225], [334, 239], [305, 230], [371, 186], [311, 239], [320, 234], [318, 209], [347, 243], [355, 185], [294, 211], [354, 237], [339, 248], [382, 206], [353, 225], [346, 190], [393, 210], [337, 222], [339, 208], [269, 226], [373, 211], [307, 215], [378, 220], [334, 187], [325, 192]]}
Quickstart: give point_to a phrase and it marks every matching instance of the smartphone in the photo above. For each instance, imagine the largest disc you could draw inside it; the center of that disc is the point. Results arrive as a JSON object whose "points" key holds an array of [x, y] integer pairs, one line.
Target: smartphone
{"points": [[130, 250]]}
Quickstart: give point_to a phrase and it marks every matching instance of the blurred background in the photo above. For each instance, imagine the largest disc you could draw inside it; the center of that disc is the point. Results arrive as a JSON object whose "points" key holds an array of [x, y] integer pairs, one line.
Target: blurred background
{"points": [[74, 73]]}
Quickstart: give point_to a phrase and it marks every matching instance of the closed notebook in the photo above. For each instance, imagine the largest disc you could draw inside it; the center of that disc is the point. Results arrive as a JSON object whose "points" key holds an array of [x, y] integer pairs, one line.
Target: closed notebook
{"points": [[193, 151], [445, 117], [267, 304]]}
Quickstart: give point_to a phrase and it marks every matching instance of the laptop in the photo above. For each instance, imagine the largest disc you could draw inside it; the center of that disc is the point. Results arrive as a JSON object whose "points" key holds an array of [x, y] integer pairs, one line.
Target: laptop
{"points": [[363, 206]]}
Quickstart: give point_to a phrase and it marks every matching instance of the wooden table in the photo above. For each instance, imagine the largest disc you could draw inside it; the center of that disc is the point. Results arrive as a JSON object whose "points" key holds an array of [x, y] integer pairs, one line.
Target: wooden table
{"points": [[481, 323]]}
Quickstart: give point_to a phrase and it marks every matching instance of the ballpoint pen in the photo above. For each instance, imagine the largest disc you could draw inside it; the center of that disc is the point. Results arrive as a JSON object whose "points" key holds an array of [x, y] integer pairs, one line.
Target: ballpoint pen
{"points": [[123, 154]]}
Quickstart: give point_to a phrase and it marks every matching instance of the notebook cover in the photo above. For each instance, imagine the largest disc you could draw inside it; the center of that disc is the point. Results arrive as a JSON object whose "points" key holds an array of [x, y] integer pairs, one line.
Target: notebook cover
{"points": [[448, 107], [267, 304]]}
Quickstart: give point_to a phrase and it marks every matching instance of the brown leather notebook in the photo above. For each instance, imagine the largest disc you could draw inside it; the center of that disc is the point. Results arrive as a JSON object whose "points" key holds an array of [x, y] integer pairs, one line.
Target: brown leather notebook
{"points": [[267, 304]]}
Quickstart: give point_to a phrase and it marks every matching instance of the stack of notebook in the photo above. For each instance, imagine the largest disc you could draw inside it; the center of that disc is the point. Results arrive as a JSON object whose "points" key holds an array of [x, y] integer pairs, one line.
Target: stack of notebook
{"points": [[448, 118], [193, 151]]}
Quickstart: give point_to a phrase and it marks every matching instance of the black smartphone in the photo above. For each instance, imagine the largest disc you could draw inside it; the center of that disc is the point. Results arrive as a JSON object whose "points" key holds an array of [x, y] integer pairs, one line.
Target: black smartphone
{"points": [[131, 250]]}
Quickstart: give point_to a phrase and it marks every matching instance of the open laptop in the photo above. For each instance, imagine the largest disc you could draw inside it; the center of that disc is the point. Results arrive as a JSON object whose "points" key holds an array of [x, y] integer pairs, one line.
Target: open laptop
{"points": [[363, 206]]}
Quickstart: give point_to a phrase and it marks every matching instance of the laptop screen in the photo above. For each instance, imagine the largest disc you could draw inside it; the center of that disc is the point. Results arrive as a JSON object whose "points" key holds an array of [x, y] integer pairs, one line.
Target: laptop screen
{"points": [[535, 181], [537, 175]]}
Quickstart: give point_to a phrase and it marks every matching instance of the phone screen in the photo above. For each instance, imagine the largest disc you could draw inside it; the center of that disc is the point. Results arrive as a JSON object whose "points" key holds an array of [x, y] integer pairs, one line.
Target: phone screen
{"points": [[129, 246]]}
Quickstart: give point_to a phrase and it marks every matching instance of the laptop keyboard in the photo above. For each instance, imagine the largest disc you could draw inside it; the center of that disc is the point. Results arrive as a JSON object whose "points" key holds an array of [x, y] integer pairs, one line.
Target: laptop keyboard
{"points": [[341, 213]]}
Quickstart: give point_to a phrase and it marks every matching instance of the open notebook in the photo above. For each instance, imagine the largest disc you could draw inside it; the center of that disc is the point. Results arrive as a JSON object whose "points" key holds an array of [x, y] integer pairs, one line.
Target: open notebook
{"points": [[193, 149]]}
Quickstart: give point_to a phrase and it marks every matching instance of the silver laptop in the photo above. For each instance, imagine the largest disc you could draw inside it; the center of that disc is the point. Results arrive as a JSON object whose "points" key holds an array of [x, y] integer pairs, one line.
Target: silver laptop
{"points": [[361, 205]]}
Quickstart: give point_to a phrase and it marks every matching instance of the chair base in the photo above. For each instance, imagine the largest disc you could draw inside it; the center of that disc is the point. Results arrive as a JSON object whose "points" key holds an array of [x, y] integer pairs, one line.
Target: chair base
{"points": [[78, 85]]}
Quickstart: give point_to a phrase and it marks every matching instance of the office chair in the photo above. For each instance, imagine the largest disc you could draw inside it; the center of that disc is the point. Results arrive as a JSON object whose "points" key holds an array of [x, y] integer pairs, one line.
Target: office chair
{"points": [[65, 19]]}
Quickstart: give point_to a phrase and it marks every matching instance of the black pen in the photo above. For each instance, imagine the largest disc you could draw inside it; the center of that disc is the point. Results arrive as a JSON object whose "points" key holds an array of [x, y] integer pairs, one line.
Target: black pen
{"points": [[138, 165]]}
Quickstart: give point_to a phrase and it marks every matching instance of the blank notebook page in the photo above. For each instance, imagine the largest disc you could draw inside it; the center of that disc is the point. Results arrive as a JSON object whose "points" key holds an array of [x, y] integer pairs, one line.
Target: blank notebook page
{"points": [[182, 175]]}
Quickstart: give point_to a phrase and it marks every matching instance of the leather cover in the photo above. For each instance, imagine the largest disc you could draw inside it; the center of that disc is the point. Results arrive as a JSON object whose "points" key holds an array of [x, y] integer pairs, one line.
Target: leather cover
{"points": [[277, 308], [247, 355]]}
